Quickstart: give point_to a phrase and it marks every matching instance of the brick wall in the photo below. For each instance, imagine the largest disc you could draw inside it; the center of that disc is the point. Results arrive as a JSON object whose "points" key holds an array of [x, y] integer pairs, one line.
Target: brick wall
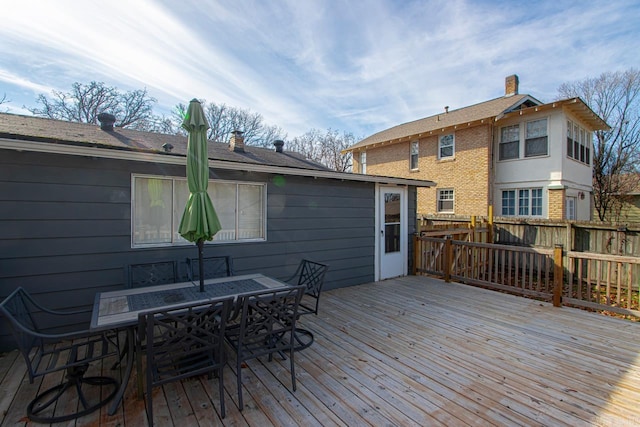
{"points": [[467, 173], [557, 204]]}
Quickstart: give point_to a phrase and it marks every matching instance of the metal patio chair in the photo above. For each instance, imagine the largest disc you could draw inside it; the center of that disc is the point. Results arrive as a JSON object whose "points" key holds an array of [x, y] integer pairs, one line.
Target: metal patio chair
{"points": [[152, 273], [267, 324], [180, 342], [309, 274], [214, 267], [46, 353]]}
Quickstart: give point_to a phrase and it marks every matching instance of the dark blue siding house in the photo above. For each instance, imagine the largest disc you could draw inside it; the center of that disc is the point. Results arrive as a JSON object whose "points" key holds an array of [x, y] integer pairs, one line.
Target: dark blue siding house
{"points": [[79, 203]]}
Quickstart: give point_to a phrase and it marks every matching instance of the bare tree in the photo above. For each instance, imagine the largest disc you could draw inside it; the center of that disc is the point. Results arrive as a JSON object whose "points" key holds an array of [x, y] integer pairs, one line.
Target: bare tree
{"points": [[325, 148], [83, 103], [225, 119], [616, 98], [4, 100]]}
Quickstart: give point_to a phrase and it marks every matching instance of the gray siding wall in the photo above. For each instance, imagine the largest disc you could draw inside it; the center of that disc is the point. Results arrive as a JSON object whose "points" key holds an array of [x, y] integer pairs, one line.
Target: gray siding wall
{"points": [[65, 226]]}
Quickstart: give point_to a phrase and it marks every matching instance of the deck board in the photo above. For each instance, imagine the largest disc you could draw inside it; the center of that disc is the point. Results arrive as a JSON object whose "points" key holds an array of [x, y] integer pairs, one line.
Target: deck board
{"points": [[408, 351]]}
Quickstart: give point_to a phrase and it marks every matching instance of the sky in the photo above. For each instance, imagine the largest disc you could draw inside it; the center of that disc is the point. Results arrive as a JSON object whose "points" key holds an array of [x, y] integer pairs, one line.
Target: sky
{"points": [[357, 66]]}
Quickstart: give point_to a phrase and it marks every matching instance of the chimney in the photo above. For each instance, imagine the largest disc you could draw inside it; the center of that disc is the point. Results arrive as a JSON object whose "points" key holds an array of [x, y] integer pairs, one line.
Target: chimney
{"points": [[446, 109], [106, 121], [236, 143], [278, 143], [511, 85]]}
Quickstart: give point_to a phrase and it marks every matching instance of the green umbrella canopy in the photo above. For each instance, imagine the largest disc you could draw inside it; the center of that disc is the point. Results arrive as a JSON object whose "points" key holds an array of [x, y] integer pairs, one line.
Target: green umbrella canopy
{"points": [[199, 221]]}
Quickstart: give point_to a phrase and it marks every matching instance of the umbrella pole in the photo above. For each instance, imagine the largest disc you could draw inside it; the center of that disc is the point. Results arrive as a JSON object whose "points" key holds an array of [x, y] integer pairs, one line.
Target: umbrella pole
{"points": [[200, 263]]}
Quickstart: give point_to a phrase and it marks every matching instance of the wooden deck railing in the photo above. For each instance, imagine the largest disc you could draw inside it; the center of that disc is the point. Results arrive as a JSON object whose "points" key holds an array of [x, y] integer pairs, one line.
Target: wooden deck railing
{"points": [[601, 282]]}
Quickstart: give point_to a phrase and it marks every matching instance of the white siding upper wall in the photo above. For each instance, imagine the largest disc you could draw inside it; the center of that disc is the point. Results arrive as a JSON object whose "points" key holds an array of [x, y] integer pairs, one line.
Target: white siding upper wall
{"points": [[554, 170]]}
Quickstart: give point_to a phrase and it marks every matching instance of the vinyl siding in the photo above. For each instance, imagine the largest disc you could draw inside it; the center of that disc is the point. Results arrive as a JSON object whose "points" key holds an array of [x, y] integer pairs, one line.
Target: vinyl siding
{"points": [[65, 226]]}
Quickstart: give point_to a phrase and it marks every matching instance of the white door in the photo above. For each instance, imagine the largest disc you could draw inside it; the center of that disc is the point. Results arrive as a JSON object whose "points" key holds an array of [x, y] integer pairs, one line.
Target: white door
{"points": [[392, 232]]}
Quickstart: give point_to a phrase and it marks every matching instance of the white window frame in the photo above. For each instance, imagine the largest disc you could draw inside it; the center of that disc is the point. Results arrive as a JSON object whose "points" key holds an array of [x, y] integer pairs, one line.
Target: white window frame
{"points": [[414, 155], [527, 138], [503, 142], [363, 162], [452, 145], [580, 140], [445, 195], [528, 202], [505, 209], [572, 202], [174, 238]]}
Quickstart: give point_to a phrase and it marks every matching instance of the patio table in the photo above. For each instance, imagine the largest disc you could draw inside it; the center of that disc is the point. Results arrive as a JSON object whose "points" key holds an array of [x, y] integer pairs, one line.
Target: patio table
{"points": [[120, 309]]}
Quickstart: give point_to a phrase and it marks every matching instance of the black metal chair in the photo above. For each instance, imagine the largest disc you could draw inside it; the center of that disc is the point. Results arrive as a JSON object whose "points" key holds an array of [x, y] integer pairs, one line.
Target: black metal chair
{"points": [[214, 267], [45, 353], [180, 342], [309, 274], [267, 324], [152, 273]]}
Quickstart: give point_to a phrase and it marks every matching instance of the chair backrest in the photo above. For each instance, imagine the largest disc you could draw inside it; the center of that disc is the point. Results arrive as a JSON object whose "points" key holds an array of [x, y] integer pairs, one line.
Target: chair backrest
{"points": [[218, 266], [151, 274], [19, 308], [42, 351], [183, 340], [311, 275], [267, 322]]}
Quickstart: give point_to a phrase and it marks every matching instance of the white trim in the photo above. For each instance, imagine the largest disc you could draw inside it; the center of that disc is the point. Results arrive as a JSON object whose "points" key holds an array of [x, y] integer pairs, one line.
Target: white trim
{"points": [[174, 159]]}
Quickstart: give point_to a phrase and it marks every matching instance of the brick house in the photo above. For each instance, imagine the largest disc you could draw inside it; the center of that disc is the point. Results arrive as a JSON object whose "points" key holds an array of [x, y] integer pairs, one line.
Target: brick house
{"points": [[514, 153]]}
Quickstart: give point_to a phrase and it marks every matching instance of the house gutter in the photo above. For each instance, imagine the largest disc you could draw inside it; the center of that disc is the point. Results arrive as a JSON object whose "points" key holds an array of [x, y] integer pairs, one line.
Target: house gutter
{"points": [[177, 159]]}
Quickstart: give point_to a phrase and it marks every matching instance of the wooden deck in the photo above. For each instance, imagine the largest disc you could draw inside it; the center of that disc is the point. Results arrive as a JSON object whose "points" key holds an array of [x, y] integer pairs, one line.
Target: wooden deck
{"points": [[411, 351]]}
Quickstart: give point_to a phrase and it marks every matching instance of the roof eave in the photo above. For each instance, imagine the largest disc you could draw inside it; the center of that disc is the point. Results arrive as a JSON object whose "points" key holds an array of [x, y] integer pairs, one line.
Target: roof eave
{"points": [[180, 159]]}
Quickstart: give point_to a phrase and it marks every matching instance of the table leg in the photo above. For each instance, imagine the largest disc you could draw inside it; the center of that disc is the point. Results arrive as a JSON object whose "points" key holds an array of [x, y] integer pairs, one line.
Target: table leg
{"points": [[127, 374]]}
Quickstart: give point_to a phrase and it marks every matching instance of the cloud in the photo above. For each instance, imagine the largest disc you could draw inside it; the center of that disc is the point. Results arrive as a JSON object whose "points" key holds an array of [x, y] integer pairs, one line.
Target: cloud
{"points": [[353, 66]]}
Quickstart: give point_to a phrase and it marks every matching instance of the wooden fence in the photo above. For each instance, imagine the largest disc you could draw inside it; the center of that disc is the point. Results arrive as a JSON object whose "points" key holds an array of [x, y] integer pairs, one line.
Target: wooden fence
{"points": [[594, 281], [574, 236]]}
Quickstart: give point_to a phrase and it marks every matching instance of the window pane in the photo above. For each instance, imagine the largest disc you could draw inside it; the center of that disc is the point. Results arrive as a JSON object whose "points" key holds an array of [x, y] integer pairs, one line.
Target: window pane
{"points": [[414, 155], [223, 197], [391, 238], [445, 201], [391, 207], [181, 196], [536, 138], [152, 210], [250, 212], [537, 128], [509, 142], [571, 208], [508, 202], [536, 201], [569, 139], [446, 146], [523, 202], [510, 133], [535, 147], [363, 162], [510, 150]]}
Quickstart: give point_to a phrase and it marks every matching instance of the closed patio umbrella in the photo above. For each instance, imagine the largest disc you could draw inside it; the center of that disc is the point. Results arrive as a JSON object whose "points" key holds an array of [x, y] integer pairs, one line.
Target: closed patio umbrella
{"points": [[199, 221]]}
